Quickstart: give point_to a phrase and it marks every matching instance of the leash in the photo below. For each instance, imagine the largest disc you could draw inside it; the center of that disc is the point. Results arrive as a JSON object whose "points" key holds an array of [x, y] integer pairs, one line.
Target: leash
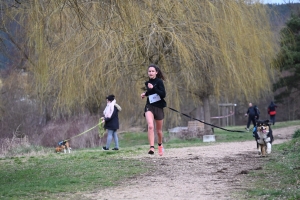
{"points": [[205, 122], [100, 124]]}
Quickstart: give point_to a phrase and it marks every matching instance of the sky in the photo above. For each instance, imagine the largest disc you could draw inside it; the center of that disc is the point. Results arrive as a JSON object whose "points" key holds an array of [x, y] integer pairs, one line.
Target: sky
{"points": [[279, 1]]}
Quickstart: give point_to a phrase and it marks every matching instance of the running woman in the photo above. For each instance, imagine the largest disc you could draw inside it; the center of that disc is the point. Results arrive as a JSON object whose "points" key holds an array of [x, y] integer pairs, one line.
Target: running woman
{"points": [[154, 112]]}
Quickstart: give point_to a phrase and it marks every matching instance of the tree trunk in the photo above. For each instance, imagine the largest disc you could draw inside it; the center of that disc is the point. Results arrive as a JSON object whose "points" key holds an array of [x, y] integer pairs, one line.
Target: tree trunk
{"points": [[199, 113], [207, 128]]}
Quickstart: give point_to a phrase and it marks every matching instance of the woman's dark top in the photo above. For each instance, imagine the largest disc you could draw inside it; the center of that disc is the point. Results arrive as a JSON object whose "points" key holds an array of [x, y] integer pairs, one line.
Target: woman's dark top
{"points": [[272, 109], [112, 123], [158, 88]]}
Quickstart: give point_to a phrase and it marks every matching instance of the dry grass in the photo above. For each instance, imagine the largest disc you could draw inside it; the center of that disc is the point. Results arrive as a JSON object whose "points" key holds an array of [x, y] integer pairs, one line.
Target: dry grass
{"points": [[20, 146]]}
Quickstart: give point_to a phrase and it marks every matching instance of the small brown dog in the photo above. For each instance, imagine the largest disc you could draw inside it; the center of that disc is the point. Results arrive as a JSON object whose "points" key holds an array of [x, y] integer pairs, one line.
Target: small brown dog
{"points": [[63, 146]]}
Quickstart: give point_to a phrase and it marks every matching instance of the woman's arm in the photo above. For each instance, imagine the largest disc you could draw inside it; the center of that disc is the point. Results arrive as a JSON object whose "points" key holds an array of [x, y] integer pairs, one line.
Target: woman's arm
{"points": [[159, 89]]}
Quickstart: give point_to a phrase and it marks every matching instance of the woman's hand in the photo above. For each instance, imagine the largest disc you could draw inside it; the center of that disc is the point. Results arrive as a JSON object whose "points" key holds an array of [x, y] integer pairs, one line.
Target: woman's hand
{"points": [[143, 95], [150, 86]]}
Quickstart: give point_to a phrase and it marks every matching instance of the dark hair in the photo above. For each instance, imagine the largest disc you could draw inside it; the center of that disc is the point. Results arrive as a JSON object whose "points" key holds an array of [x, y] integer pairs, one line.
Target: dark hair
{"points": [[110, 97], [159, 73]]}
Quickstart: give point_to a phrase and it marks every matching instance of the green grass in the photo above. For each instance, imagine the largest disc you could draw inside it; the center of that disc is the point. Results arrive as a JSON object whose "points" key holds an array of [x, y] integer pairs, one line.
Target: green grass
{"points": [[49, 176], [280, 176], [134, 139], [285, 124]]}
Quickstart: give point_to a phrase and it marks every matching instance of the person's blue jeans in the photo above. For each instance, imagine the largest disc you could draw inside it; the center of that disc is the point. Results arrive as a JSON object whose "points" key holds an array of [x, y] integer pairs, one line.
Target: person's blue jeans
{"points": [[112, 134], [272, 119]]}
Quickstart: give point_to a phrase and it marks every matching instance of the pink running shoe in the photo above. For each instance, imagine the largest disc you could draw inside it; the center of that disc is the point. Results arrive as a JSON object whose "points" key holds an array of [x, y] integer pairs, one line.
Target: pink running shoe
{"points": [[160, 150]]}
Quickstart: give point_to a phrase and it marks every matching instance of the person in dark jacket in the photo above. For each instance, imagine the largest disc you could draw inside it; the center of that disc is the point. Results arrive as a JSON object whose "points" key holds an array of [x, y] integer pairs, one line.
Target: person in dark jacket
{"points": [[257, 113], [252, 114], [272, 112], [153, 112], [111, 121]]}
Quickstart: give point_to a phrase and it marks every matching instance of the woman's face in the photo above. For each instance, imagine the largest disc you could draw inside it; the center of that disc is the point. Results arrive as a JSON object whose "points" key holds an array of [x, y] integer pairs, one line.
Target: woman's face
{"points": [[152, 72]]}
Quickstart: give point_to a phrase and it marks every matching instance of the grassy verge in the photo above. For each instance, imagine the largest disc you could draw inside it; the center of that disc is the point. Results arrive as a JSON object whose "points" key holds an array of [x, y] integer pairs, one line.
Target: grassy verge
{"points": [[49, 176], [280, 176]]}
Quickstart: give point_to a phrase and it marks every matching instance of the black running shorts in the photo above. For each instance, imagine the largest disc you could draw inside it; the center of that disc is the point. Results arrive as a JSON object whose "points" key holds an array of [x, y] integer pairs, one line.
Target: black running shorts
{"points": [[157, 112]]}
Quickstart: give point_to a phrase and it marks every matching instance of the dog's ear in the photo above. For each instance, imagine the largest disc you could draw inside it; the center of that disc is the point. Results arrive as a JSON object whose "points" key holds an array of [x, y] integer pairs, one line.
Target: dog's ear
{"points": [[258, 123], [267, 122]]}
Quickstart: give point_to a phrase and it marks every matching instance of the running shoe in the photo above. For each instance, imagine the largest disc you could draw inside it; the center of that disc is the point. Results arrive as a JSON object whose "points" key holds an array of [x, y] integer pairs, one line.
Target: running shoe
{"points": [[160, 150], [151, 151]]}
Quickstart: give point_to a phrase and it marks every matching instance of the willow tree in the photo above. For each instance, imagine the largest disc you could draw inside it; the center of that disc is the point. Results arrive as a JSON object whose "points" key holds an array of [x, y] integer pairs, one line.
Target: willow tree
{"points": [[80, 51]]}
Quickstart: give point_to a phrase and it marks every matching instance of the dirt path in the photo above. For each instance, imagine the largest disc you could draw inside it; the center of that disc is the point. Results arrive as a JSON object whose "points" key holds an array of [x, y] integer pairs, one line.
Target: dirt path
{"points": [[207, 172]]}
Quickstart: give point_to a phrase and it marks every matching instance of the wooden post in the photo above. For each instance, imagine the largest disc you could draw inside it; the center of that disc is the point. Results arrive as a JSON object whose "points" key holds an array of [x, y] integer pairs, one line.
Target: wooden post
{"points": [[234, 114], [227, 121], [219, 115]]}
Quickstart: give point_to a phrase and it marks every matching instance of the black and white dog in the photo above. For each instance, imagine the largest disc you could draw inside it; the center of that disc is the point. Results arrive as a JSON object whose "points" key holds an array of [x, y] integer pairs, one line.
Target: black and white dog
{"points": [[263, 136]]}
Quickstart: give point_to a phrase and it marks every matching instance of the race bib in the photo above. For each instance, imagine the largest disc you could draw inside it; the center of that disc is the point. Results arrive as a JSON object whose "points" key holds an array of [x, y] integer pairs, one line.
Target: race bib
{"points": [[154, 98]]}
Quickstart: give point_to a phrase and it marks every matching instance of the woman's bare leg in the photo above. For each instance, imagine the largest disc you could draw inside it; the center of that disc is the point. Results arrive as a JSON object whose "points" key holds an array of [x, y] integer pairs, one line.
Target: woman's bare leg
{"points": [[150, 121], [159, 125]]}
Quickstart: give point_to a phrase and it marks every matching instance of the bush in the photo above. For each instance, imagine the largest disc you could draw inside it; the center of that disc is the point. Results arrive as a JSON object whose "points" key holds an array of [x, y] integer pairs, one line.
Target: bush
{"points": [[20, 146], [296, 134]]}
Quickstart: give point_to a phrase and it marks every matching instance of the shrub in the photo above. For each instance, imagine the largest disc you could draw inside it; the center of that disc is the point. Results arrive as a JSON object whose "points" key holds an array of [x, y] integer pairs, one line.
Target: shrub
{"points": [[296, 134], [19, 146]]}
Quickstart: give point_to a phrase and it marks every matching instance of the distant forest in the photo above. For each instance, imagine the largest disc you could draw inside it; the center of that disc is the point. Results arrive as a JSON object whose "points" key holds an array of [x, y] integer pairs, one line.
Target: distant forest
{"points": [[279, 13]]}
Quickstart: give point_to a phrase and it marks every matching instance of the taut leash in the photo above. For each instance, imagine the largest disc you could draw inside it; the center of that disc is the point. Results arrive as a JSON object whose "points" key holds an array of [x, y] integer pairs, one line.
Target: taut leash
{"points": [[205, 122], [99, 124]]}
